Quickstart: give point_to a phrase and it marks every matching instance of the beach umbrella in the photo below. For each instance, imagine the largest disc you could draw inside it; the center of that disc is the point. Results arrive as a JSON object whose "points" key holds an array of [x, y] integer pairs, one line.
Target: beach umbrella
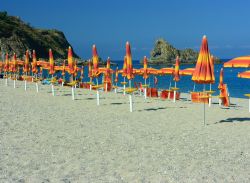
{"points": [[26, 69], [176, 73], [124, 74], [145, 75], [63, 72], [34, 68], [243, 61], [34, 63], [6, 68], [221, 78], [129, 74], [95, 59], [203, 73], [116, 78], [187, 72], [14, 68], [107, 74], [245, 74], [70, 61], [51, 70]]}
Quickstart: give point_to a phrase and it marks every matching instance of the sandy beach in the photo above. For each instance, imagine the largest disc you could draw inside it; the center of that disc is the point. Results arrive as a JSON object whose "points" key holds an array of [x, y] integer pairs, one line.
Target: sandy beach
{"points": [[54, 139]]}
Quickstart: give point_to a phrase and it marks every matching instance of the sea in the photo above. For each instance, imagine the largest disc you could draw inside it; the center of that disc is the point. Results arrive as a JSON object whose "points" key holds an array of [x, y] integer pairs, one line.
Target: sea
{"points": [[237, 87]]}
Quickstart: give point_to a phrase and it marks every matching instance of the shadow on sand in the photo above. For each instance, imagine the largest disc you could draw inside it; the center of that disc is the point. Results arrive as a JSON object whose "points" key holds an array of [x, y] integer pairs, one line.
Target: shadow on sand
{"points": [[232, 120]]}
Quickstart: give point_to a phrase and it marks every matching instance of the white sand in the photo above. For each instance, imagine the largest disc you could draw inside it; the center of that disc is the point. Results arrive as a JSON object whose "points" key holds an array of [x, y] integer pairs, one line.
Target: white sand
{"points": [[54, 139]]}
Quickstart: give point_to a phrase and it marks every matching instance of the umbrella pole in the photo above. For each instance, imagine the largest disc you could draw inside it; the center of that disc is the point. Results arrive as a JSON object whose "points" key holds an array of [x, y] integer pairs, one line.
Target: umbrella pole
{"points": [[14, 80], [25, 82], [204, 109], [145, 89], [36, 84], [124, 86], [130, 103], [52, 86], [6, 80], [90, 86], [169, 88], [174, 92], [73, 90], [97, 96]]}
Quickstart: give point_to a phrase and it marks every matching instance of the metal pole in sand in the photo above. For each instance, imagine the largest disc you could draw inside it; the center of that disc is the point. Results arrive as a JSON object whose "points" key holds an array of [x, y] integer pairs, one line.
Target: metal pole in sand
{"points": [[25, 83], [52, 86], [73, 90], [97, 93], [174, 92], [14, 80], [145, 89], [124, 86], [204, 109], [130, 99]]}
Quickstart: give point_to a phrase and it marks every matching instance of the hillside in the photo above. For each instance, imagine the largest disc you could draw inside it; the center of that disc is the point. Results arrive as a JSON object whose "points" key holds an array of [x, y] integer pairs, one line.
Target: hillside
{"points": [[18, 36], [165, 53]]}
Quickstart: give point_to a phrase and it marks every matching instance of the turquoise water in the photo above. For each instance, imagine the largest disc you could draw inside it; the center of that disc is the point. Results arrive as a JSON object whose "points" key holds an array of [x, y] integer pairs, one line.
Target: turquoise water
{"points": [[237, 86]]}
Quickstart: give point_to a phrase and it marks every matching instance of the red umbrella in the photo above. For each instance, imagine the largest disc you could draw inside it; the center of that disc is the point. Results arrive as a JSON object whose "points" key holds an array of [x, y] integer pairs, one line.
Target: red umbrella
{"points": [[130, 74]]}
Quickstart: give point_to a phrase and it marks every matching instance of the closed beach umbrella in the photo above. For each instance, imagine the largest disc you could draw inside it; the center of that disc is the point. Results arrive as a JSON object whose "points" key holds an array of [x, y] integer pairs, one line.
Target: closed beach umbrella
{"points": [[90, 69], [221, 78], [145, 68], [116, 75], [108, 74], [176, 70], [124, 69], [26, 62], [176, 75], [95, 58], [130, 74], [34, 62], [70, 61], [14, 67], [243, 61], [203, 73], [51, 63]]}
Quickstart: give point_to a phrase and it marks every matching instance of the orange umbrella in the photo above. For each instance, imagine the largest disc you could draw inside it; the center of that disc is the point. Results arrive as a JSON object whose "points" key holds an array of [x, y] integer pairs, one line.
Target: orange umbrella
{"points": [[187, 71], [221, 78], [124, 67], [90, 69], [51, 63], [243, 61], [95, 58], [116, 75], [34, 62], [14, 68], [6, 64], [130, 74], [26, 62], [145, 68], [108, 74], [245, 74], [203, 73], [176, 70], [70, 61]]}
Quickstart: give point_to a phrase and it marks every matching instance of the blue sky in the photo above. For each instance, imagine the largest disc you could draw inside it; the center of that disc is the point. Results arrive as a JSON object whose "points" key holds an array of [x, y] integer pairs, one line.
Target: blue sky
{"points": [[110, 23]]}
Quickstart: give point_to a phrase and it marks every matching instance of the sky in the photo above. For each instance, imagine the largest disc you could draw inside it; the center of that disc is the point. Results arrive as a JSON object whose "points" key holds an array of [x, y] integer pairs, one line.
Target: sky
{"points": [[110, 23]]}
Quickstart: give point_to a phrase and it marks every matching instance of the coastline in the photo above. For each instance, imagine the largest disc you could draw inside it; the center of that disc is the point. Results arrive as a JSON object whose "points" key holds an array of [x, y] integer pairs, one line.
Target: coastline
{"points": [[46, 138]]}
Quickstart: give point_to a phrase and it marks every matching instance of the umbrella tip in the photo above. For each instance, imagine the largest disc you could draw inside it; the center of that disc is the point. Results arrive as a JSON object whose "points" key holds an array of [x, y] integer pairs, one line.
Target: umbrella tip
{"points": [[204, 36], [127, 42], [69, 47]]}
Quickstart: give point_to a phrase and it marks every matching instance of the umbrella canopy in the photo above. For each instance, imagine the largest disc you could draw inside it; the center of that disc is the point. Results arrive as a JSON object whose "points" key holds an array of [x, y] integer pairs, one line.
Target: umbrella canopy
{"points": [[124, 69], [116, 75], [70, 61], [176, 70], [245, 74], [51, 63], [221, 78], [145, 67], [187, 71], [130, 74], [95, 58], [34, 62], [14, 66], [203, 72], [63, 68], [90, 69], [243, 61], [26, 62]]}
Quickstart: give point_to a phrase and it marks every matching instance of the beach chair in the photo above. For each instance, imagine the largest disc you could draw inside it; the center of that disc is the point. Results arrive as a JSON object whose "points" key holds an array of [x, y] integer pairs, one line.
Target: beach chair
{"points": [[224, 96]]}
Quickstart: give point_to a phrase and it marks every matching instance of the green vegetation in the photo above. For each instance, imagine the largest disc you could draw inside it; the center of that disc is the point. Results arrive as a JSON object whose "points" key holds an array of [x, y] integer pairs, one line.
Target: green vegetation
{"points": [[164, 53], [18, 36]]}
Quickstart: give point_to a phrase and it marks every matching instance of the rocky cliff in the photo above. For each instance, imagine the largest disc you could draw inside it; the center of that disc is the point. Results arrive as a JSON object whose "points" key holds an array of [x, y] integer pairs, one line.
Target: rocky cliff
{"points": [[18, 36], [165, 53]]}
